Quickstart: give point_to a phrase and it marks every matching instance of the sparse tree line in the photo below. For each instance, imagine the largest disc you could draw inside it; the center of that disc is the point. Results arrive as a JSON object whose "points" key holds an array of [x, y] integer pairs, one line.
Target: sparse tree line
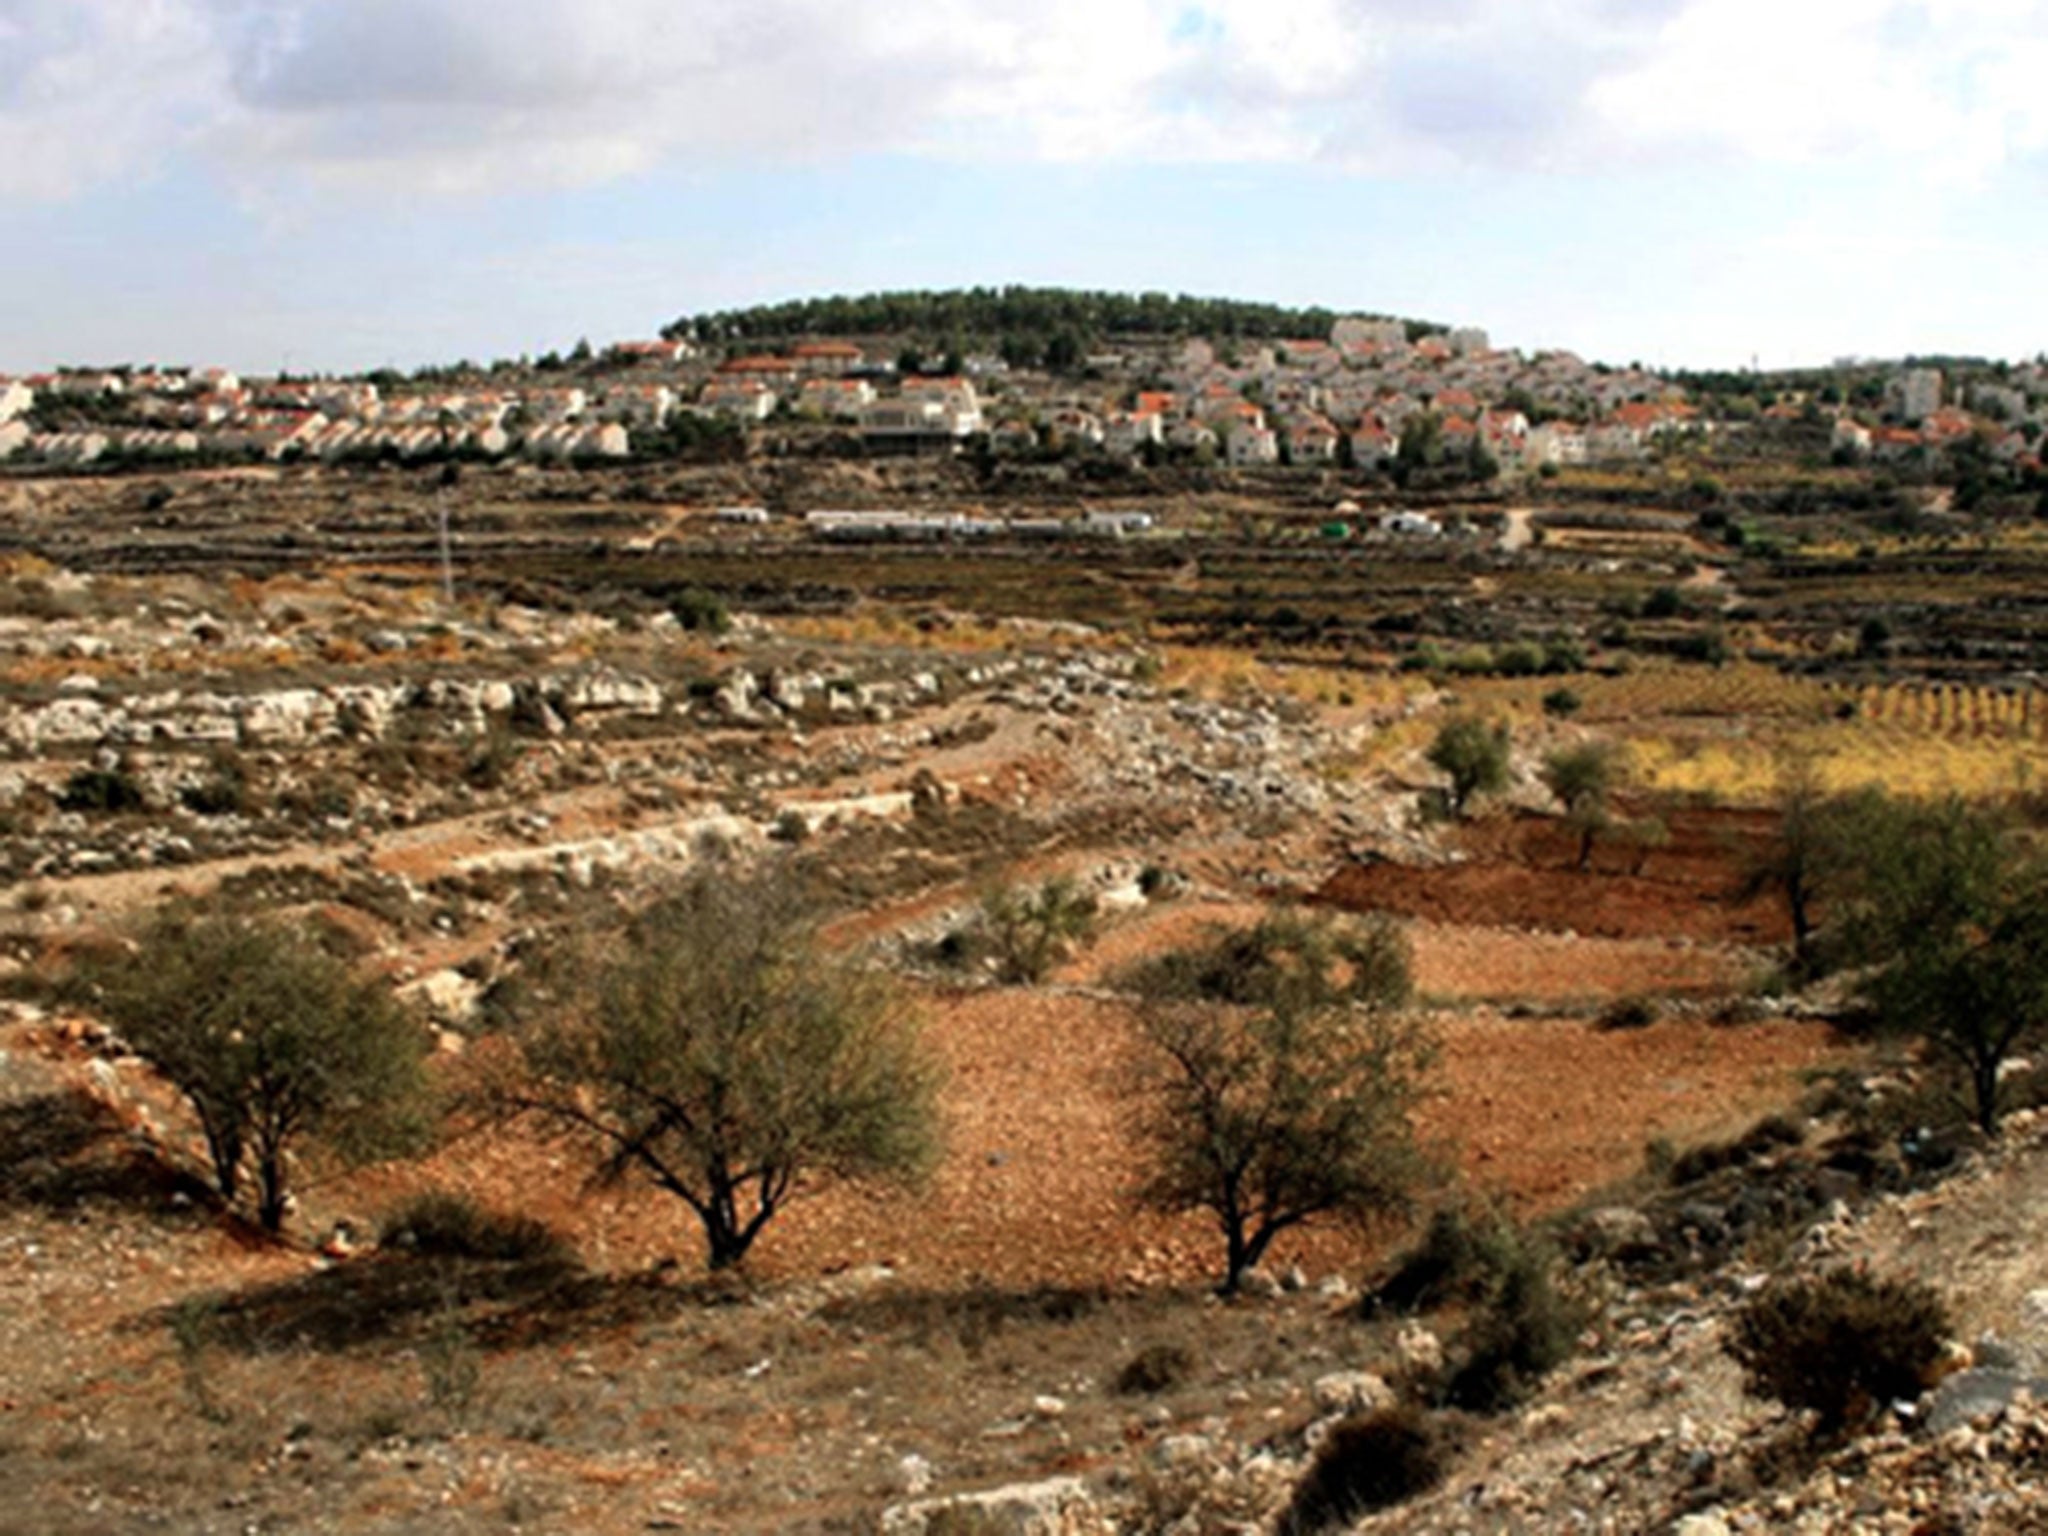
{"points": [[1031, 327], [1936, 910], [712, 1047]]}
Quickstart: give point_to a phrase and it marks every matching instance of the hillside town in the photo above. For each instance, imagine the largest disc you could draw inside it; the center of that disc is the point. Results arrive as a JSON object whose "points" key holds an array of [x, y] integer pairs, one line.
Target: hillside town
{"points": [[1372, 395]]}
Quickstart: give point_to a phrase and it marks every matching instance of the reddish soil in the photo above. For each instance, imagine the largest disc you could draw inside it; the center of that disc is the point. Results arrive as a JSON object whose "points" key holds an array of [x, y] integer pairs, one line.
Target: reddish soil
{"points": [[1460, 963], [1520, 872], [1040, 1157]]}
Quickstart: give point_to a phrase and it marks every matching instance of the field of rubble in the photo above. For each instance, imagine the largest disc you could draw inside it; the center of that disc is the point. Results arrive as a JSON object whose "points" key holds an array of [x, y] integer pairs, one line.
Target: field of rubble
{"points": [[440, 775]]}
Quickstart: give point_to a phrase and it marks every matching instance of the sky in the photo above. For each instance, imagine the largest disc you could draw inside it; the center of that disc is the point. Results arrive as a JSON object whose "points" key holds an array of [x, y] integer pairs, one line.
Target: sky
{"points": [[347, 184]]}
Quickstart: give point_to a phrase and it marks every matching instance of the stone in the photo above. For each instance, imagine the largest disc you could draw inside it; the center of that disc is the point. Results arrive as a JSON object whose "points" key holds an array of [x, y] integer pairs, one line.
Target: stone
{"points": [[1617, 1230], [449, 995], [1968, 1395], [1421, 1351], [1059, 1506], [1708, 1524], [1351, 1392], [914, 1475], [1177, 1451]]}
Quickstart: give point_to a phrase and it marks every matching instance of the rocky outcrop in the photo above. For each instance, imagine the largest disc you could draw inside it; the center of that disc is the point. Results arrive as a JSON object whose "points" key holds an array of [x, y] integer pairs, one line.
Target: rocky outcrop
{"points": [[1060, 1506]]}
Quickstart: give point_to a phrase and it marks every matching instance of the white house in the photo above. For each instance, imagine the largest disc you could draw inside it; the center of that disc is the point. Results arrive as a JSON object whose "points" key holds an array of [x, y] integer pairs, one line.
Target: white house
{"points": [[905, 420], [1413, 525], [827, 358], [1355, 334], [1130, 431], [1915, 394], [68, 447], [15, 399], [13, 437], [1076, 425], [569, 440], [158, 443], [956, 396], [1372, 445], [1116, 524], [640, 405], [835, 399], [1850, 436], [1312, 441], [1554, 442], [744, 398], [1251, 444]]}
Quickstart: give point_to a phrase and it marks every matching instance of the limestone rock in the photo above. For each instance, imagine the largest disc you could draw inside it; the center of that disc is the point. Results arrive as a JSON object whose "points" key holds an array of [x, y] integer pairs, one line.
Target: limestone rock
{"points": [[1060, 1506]]}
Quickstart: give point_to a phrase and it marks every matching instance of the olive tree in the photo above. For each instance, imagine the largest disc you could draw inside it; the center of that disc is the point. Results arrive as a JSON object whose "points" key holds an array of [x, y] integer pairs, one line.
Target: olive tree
{"points": [[1947, 910], [272, 1040], [1583, 778], [1806, 858], [1473, 755], [1289, 958], [1269, 1118], [1030, 931], [713, 1048]]}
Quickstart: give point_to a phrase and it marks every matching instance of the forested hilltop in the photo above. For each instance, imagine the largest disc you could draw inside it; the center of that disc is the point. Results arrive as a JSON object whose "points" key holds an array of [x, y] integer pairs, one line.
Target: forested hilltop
{"points": [[1030, 318]]}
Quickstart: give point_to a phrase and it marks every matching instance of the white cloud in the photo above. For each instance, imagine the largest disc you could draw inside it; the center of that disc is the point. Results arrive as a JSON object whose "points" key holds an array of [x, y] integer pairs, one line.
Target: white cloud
{"points": [[484, 94], [91, 88], [1949, 88]]}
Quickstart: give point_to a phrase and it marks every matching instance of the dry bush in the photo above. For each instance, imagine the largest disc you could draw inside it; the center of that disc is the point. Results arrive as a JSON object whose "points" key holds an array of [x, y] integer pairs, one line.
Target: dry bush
{"points": [[1840, 1345], [441, 1224], [1155, 1368], [1366, 1463], [1526, 1326]]}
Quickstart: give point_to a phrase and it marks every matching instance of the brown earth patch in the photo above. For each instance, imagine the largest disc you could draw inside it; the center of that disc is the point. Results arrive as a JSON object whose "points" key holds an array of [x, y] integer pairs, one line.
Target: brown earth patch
{"points": [[1520, 873]]}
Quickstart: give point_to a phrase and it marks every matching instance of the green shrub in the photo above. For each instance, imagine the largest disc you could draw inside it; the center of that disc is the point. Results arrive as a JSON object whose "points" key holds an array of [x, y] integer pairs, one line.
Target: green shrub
{"points": [[1286, 958], [1561, 702], [1708, 645], [226, 790], [1473, 754], [700, 611], [1767, 1135], [1155, 1368], [101, 791], [442, 1224], [1462, 1256], [1030, 932], [1840, 1345], [1628, 1013], [1665, 602], [492, 760], [1368, 1462], [1525, 1329], [1522, 659]]}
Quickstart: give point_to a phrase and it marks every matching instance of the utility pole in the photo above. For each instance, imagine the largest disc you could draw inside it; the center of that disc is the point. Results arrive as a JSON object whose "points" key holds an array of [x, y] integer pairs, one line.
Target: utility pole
{"points": [[451, 475]]}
